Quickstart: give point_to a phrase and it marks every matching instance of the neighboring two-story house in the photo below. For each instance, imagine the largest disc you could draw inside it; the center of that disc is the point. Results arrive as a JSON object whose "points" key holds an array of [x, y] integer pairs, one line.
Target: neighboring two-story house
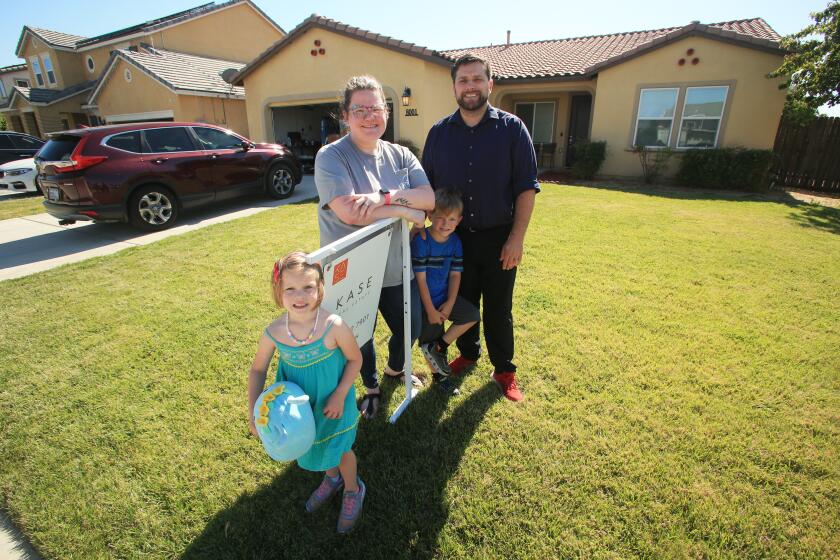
{"points": [[11, 76], [164, 69]]}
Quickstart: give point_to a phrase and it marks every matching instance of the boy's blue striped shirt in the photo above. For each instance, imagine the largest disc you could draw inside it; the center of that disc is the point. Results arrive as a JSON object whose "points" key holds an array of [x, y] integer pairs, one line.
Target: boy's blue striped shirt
{"points": [[437, 260]]}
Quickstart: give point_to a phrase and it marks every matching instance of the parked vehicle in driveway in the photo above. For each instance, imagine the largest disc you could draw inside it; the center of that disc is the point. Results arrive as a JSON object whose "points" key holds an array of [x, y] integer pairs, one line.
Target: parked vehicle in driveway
{"points": [[18, 176], [16, 145], [146, 174]]}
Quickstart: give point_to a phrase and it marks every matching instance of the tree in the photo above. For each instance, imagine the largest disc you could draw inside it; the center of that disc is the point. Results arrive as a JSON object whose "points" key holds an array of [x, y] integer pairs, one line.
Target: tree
{"points": [[813, 64], [798, 112]]}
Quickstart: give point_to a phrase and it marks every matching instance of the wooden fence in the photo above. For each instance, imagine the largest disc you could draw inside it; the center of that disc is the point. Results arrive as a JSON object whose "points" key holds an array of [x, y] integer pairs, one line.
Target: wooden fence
{"points": [[808, 157]]}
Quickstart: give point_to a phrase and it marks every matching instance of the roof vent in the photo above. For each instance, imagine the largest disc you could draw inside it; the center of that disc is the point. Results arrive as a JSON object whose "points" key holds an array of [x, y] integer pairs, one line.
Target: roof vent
{"points": [[695, 21], [228, 74], [149, 48], [508, 37]]}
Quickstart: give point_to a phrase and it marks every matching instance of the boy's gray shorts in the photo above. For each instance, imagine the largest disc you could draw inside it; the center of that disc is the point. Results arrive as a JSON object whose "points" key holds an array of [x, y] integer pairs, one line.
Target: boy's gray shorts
{"points": [[462, 312]]}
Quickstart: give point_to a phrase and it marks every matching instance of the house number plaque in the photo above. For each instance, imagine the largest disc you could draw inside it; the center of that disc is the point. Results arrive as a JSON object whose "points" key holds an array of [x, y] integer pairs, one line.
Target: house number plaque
{"points": [[411, 113]]}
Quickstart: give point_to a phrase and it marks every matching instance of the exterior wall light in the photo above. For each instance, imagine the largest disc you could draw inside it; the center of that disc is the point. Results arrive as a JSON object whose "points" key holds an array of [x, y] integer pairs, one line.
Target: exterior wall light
{"points": [[406, 96]]}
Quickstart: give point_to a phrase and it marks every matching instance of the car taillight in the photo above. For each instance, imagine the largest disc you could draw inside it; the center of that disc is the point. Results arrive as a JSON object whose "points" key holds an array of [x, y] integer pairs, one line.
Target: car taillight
{"points": [[77, 161]]}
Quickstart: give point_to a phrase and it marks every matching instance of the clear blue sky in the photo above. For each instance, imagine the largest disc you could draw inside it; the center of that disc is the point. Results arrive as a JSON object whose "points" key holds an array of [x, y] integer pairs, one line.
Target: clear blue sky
{"points": [[438, 24]]}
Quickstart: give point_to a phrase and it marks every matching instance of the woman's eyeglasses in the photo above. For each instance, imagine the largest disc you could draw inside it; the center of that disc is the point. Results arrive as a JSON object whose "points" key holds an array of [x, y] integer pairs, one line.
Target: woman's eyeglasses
{"points": [[362, 111]]}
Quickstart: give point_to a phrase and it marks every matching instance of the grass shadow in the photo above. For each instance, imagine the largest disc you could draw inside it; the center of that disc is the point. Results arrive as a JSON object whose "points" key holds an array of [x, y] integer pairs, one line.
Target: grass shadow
{"points": [[819, 217], [406, 468]]}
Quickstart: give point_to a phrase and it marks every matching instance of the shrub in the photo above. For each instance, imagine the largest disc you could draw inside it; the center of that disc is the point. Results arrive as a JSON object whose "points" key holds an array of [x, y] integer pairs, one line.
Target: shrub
{"points": [[589, 156], [653, 161], [726, 168], [412, 147]]}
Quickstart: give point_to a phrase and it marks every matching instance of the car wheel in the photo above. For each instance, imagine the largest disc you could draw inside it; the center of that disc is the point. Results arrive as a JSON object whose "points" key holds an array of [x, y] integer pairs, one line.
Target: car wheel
{"points": [[152, 208], [280, 181]]}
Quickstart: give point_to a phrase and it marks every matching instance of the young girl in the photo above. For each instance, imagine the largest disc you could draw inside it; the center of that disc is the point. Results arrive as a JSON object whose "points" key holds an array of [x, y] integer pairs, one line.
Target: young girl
{"points": [[318, 352]]}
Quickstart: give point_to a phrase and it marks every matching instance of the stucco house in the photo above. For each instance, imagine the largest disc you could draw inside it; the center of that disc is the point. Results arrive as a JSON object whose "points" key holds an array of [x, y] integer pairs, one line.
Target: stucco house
{"points": [[11, 76], [162, 69], [688, 87]]}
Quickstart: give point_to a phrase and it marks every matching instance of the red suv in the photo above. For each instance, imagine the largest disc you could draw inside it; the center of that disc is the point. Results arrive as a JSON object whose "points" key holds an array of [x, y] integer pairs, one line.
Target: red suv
{"points": [[147, 173]]}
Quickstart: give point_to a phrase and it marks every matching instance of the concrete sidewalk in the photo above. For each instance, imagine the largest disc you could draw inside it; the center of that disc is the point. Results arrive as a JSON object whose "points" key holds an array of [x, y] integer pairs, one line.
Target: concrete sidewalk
{"points": [[36, 243], [13, 545]]}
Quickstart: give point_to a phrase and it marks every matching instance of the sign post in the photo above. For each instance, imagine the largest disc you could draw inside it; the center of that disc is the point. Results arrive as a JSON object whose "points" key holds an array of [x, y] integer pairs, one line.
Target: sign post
{"points": [[354, 267]]}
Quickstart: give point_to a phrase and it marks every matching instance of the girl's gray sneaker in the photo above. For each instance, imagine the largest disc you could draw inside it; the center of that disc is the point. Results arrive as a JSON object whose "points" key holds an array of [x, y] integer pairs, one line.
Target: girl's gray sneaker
{"points": [[351, 509], [324, 492]]}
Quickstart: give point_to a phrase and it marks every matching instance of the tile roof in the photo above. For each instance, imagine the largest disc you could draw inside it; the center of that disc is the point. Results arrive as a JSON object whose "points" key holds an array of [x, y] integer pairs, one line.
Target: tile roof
{"points": [[55, 38], [342, 28], [178, 71], [76, 41], [44, 96], [582, 56], [12, 68], [575, 58]]}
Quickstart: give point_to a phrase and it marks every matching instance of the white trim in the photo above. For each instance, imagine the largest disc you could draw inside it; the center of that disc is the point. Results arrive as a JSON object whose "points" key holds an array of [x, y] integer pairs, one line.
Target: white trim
{"points": [[673, 117], [90, 62], [719, 118], [45, 57], [152, 115], [208, 94], [36, 62]]}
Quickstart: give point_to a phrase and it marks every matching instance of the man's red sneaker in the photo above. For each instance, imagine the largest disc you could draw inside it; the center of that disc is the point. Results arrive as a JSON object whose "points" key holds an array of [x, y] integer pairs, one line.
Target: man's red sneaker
{"points": [[506, 381], [459, 365]]}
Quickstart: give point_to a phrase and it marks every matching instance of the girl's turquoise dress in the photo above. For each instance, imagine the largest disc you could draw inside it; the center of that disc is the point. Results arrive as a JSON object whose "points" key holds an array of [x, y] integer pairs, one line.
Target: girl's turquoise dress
{"points": [[318, 369]]}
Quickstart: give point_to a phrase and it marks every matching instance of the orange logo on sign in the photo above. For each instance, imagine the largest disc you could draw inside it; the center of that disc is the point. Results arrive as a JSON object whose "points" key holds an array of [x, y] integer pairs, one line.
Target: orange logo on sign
{"points": [[340, 272]]}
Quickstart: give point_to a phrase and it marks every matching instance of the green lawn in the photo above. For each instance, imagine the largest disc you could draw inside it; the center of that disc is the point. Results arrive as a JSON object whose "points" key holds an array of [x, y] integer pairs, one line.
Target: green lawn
{"points": [[16, 207], [679, 353]]}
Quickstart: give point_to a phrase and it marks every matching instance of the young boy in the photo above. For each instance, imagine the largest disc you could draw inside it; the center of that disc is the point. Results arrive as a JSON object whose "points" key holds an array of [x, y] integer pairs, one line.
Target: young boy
{"points": [[437, 262]]}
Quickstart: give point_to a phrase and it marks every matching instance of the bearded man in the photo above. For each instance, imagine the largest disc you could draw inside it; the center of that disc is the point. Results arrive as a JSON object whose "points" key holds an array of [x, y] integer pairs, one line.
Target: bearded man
{"points": [[487, 155]]}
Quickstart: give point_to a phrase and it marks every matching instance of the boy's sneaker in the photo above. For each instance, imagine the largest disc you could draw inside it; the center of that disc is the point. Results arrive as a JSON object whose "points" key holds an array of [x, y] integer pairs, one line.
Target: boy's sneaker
{"points": [[460, 364], [445, 385], [506, 380], [324, 492], [436, 358], [351, 509]]}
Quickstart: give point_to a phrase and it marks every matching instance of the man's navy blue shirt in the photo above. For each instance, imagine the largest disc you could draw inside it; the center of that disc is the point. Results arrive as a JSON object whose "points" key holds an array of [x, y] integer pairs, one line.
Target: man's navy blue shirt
{"points": [[490, 164]]}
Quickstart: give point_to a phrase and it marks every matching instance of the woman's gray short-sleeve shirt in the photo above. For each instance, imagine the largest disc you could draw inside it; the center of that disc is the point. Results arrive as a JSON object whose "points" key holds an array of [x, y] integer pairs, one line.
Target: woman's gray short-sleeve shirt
{"points": [[342, 169]]}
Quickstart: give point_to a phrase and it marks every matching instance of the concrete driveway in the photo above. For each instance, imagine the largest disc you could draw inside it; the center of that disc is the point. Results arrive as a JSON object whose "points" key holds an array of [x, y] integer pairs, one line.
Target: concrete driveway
{"points": [[36, 243]]}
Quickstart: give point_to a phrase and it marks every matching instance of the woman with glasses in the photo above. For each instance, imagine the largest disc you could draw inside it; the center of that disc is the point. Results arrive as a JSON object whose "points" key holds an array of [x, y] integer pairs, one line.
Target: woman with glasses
{"points": [[360, 179]]}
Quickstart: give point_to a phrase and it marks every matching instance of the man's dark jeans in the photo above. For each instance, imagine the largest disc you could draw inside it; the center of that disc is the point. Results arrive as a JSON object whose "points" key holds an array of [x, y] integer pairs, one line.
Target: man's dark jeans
{"points": [[484, 281]]}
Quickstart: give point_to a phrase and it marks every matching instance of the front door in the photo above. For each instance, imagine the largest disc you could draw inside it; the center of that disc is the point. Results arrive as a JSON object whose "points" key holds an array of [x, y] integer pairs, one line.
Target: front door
{"points": [[389, 126], [578, 124]]}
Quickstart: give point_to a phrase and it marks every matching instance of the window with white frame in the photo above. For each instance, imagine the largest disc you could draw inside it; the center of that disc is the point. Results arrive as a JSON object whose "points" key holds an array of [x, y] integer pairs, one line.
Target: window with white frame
{"points": [[91, 66], [36, 69], [49, 68], [539, 120], [21, 82], [2, 89], [701, 116], [655, 117]]}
